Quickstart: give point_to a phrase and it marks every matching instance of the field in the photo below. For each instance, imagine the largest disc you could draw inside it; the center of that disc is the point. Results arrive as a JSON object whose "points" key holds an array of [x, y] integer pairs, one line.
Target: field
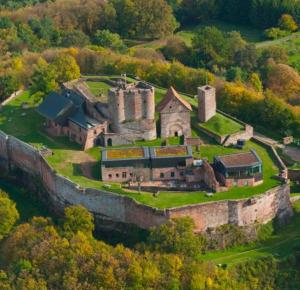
{"points": [[26, 124], [248, 33]]}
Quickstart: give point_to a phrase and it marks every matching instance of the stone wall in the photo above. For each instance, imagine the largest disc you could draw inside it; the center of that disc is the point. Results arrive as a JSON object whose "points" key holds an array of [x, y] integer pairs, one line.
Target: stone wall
{"points": [[112, 209], [294, 174]]}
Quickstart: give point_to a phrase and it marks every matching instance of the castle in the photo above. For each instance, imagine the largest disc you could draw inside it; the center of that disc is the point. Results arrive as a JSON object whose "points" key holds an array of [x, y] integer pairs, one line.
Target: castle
{"points": [[128, 115]]}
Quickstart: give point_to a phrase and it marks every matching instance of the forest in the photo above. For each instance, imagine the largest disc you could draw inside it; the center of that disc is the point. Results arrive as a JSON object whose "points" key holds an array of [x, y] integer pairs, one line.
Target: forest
{"points": [[43, 254]]}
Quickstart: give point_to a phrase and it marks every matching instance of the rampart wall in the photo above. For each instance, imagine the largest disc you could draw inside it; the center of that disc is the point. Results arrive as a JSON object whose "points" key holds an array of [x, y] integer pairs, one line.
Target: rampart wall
{"points": [[111, 209]]}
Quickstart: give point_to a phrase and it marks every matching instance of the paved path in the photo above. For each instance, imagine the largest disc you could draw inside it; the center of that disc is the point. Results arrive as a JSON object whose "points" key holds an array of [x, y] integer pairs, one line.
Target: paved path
{"points": [[267, 139], [14, 95]]}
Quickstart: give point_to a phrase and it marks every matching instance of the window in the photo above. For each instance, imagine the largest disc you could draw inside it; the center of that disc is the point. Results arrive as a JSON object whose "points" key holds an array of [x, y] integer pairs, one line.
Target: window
{"points": [[124, 174], [131, 174], [95, 132], [117, 175], [162, 175], [181, 174], [109, 176], [172, 174]]}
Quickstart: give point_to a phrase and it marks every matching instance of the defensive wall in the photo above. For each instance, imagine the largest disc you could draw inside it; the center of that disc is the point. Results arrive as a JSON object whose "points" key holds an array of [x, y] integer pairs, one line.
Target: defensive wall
{"points": [[110, 210]]}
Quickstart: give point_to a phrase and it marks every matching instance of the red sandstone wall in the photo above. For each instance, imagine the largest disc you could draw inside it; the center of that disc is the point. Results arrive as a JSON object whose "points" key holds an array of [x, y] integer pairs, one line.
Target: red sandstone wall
{"points": [[117, 208]]}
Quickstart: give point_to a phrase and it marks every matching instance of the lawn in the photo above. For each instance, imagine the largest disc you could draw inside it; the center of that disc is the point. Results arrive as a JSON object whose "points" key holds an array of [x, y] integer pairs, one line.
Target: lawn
{"points": [[280, 245], [222, 125], [248, 33], [98, 88], [67, 157]]}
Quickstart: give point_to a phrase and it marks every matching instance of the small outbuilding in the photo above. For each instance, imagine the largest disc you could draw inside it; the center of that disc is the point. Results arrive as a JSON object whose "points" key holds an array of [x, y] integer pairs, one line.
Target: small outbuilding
{"points": [[240, 169], [175, 119]]}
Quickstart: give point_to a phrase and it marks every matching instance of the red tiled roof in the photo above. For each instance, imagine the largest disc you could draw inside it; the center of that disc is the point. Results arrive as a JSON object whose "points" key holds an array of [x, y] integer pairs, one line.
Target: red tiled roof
{"points": [[172, 93], [239, 159]]}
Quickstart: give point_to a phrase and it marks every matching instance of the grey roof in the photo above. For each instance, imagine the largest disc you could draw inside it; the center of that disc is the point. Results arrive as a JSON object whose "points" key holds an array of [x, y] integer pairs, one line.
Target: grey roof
{"points": [[82, 120], [66, 106], [55, 107]]}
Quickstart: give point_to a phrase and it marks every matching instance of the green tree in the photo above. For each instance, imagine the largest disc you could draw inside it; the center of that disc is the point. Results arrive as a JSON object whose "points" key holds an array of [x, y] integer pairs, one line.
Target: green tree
{"points": [[66, 68], [43, 78], [177, 236], [105, 38], [255, 82], [8, 215], [144, 19], [77, 218], [8, 85], [74, 38]]}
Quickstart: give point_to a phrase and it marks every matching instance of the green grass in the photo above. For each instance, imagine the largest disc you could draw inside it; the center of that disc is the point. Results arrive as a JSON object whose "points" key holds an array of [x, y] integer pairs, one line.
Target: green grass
{"points": [[222, 125], [248, 33], [64, 160], [98, 88], [281, 244]]}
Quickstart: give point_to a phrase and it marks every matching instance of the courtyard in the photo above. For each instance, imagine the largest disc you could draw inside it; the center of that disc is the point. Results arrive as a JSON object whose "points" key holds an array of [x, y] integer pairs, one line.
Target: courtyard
{"points": [[19, 118]]}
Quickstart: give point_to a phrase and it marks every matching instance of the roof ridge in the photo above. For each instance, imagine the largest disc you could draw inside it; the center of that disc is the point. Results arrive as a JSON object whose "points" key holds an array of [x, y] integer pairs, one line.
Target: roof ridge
{"points": [[172, 93]]}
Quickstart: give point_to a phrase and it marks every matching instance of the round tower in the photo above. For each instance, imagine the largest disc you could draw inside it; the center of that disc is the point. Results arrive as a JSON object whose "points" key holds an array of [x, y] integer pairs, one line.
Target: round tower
{"points": [[116, 102], [149, 108]]}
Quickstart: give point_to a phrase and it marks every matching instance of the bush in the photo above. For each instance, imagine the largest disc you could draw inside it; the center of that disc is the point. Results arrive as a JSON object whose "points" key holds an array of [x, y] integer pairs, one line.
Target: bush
{"points": [[275, 33]]}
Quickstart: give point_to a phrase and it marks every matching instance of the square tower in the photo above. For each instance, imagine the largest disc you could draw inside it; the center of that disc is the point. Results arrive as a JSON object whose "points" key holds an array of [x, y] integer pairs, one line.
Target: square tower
{"points": [[207, 105]]}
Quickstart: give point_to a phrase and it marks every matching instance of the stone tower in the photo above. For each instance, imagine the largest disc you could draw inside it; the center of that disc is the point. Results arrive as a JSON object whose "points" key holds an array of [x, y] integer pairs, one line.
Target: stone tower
{"points": [[207, 106]]}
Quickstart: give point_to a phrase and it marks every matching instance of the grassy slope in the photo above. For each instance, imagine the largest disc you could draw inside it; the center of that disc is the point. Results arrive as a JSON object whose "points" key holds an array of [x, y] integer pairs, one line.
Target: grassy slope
{"points": [[221, 125], [66, 154], [280, 245]]}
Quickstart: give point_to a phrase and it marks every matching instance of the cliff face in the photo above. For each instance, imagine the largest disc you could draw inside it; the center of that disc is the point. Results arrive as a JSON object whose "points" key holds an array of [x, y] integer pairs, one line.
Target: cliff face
{"points": [[111, 210]]}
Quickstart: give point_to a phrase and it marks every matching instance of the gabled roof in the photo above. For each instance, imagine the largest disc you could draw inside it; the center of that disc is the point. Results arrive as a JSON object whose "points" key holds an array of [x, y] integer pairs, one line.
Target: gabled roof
{"points": [[243, 159], [172, 94], [55, 107]]}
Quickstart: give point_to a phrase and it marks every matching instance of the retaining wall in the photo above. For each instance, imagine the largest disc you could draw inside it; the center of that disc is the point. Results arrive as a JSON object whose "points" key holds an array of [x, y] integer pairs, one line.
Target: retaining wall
{"points": [[111, 209]]}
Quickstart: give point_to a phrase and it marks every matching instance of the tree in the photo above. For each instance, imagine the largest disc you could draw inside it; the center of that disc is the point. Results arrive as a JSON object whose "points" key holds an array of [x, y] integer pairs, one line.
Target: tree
{"points": [[8, 215], [43, 78], [177, 236], [66, 68], [77, 218], [287, 22], [144, 19], [255, 82], [105, 38], [74, 38], [8, 85]]}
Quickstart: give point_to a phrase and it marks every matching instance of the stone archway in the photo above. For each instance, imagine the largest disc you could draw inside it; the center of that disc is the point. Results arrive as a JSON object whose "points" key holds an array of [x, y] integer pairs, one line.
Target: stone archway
{"points": [[175, 130]]}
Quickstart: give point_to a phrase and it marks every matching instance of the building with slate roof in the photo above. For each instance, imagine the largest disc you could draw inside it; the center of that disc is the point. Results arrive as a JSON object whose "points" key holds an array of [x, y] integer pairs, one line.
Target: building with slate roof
{"points": [[66, 115], [175, 119], [241, 169]]}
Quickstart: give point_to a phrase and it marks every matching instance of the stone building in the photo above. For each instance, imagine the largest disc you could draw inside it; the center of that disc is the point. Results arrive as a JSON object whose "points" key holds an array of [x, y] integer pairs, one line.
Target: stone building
{"points": [[128, 116], [175, 119], [207, 105], [169, 166], [132, 111], [66, 116], [240, 169]]}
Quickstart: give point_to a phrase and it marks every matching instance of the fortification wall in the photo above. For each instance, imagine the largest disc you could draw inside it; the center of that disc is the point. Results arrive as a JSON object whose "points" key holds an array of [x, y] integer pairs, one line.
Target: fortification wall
{"points": [[294, 174], [112, 209]]}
